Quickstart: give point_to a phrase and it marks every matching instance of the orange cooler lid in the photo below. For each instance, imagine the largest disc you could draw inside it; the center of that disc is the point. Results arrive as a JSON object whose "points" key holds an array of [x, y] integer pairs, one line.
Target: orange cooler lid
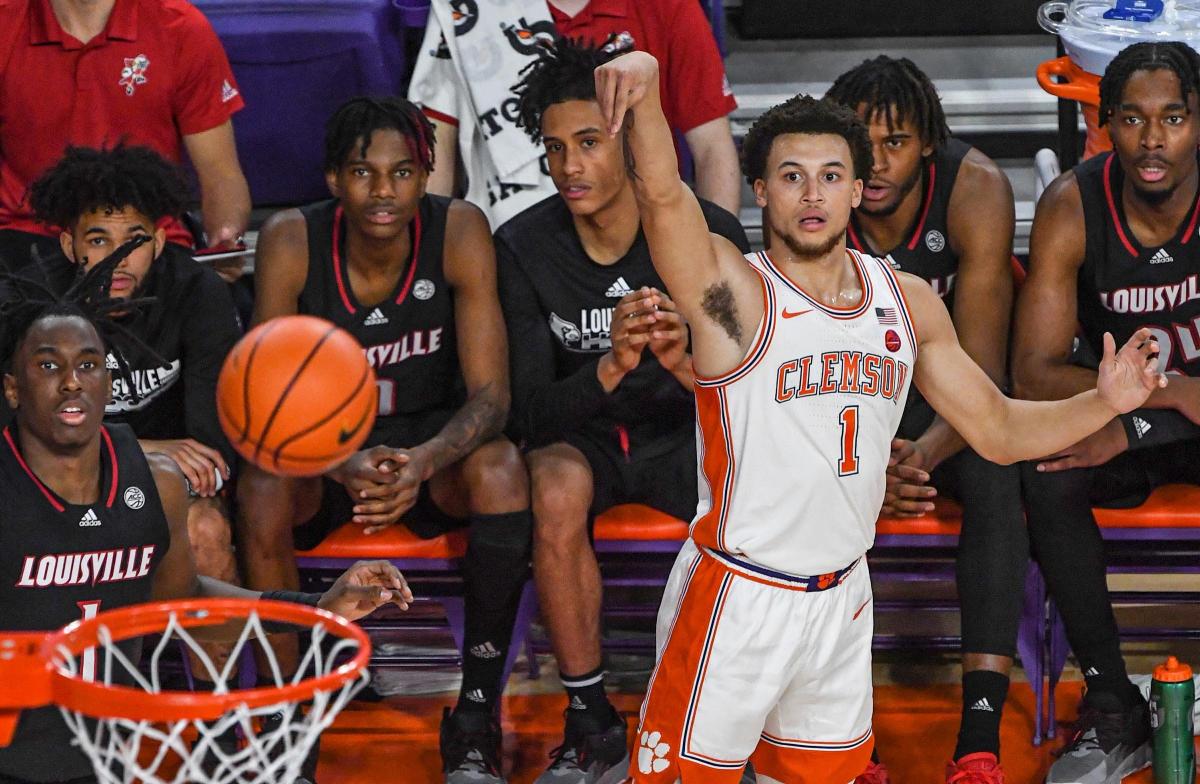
{"points": [[1173, 671]]}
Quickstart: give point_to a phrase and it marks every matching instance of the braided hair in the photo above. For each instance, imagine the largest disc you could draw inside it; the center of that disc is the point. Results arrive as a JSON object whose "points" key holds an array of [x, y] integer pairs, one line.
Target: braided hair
{"points": [[563, 72], [27, 301], [896, 90], [1174, 56], [355, 120]]}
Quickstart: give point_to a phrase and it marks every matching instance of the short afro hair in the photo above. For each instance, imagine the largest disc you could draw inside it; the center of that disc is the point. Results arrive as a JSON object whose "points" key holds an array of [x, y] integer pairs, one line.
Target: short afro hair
{"points": [[563, 72], [1174, 56], [355, 120], [807, 115], [896, 90], [86, 179]]}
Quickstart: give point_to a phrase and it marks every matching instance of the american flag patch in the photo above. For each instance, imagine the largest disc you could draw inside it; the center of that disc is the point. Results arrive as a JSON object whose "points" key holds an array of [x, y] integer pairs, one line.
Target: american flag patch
{"points": [[887, 316]]}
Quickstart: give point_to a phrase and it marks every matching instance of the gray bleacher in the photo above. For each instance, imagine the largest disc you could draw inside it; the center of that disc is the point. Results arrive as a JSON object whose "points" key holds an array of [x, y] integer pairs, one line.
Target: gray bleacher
{"points": [[986, 83]]}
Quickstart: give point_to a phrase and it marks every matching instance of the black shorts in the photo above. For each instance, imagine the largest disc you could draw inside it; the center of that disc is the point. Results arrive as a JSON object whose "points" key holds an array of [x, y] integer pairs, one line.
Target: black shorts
{"points": [[425, 519], [665, 481]]}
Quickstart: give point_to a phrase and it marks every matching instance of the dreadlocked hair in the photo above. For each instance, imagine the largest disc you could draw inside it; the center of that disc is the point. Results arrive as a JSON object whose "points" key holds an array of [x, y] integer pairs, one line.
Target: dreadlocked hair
{"points": [[562, 72], [1174, 56], [355, 120], [896, 90], [27, 301], [86, 180], [807, 115]]}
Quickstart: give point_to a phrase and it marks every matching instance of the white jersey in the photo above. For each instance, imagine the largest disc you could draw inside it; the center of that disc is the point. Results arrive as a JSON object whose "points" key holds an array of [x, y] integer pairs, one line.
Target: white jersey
{"points": [[794, 442]]}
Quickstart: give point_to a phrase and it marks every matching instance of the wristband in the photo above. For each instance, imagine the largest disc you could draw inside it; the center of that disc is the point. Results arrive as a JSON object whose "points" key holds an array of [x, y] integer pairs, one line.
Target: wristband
{"points": [[295, 597]]}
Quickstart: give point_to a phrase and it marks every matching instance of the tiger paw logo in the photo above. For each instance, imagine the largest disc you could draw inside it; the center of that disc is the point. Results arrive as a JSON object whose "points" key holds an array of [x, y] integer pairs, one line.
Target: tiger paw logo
{"points": [[529, 39], [466, 15], [133, 75], [652, 753]]}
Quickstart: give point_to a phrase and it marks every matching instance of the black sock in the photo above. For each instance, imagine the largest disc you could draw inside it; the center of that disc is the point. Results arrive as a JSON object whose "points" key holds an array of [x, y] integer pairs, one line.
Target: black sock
{"points": [[586, 699], [494, 573], [1104, 671], [983, 698]]}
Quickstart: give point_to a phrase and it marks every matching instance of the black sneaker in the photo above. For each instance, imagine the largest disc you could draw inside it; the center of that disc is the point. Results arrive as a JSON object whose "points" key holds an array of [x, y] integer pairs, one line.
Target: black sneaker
{"points": [[1110, 741], [470, 745], [590, 755], [308, 769]]}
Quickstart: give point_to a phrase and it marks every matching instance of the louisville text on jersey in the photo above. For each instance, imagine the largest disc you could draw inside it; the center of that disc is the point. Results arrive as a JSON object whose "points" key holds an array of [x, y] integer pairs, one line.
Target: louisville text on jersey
{"points": [[147, 383], [419, 343], [840, 372], [99, 566], [1150, 299]]}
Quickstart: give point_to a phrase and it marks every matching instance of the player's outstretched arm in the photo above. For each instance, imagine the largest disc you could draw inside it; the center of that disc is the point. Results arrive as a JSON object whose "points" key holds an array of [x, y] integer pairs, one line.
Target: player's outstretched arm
{"points": [[717, 292], [1004, 430], [363, 587]]}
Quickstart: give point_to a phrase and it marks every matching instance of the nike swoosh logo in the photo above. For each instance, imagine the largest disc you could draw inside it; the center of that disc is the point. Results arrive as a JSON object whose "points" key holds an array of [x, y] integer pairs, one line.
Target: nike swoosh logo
{"points": [[793, 313], [345, 435]]}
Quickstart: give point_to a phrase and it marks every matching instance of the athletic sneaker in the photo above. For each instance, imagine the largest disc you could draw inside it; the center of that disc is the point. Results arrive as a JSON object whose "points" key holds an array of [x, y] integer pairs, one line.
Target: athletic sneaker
{"points": [[876, 773], [1109, 743], [470, 743], [982, 767], [585, 757]]}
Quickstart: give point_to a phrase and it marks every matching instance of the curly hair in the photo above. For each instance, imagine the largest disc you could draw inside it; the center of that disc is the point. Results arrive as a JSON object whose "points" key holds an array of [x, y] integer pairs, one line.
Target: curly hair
{"points": [[897, 90], [355, 120], [1174, 56], [86, 179], [25, 301], [807, 115], [563, 72]]}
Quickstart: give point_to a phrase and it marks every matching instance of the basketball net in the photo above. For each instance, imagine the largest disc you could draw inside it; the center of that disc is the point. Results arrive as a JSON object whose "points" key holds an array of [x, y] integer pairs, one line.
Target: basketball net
{"points": [[135, 732]]}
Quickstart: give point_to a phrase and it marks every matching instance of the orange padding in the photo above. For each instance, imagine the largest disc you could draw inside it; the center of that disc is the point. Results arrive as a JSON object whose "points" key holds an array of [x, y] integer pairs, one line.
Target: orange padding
{"points": [[1170, 506]]}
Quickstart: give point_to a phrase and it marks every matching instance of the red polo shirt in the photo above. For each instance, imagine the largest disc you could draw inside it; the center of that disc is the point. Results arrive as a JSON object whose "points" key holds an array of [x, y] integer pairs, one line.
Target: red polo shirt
{"points": [[692, 76], [155, 74]]}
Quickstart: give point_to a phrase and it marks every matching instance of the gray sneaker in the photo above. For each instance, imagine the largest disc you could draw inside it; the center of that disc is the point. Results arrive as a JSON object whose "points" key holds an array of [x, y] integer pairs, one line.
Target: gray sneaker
{"points": [[590, 758], [1110, 742], [470, 746]]}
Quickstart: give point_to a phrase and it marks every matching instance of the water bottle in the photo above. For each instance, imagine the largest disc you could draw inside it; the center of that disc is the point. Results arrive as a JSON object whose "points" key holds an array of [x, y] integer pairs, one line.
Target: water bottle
{"points": [[1171, 697]]}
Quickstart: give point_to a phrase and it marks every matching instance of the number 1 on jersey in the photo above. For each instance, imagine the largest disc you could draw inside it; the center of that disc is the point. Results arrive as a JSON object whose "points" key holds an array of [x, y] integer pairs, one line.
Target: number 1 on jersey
{"points": [[848, 463], [87, 669]]}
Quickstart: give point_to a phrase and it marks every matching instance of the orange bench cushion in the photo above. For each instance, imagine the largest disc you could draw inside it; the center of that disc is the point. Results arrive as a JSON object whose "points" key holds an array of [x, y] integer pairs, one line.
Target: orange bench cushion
{"points": [[1170, 506], [397, 542], [945, 520], [637, 523]]}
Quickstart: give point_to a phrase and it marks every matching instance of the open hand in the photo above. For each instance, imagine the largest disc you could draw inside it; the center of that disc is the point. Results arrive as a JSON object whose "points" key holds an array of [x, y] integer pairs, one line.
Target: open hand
{"points": [[365, 586], [1127, 377]]}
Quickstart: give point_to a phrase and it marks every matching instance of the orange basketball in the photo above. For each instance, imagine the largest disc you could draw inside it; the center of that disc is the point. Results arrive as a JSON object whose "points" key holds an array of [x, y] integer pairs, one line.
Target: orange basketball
{"points": [[296, 396]]}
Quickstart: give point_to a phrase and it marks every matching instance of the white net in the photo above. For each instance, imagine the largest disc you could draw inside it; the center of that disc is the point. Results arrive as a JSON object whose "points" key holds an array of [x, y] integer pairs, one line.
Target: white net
{"points": [[269, 742]]}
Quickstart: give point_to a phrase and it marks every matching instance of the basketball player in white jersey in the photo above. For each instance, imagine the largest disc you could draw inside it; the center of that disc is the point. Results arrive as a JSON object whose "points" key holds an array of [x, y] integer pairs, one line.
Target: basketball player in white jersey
{"points": [[803, 359]]}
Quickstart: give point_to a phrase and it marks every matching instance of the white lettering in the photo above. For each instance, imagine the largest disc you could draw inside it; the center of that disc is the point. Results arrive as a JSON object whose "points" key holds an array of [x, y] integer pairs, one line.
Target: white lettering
{"points": [[26, 580]]}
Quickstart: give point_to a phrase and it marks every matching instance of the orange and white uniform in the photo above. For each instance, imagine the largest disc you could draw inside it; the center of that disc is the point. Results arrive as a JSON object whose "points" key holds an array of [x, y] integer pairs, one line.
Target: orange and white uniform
{"points": [[764, 633]]}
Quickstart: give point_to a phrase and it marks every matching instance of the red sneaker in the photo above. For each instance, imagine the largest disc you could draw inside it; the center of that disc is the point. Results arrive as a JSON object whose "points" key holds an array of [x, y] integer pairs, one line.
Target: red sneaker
{"points": [[876, 773], [982, 767]]}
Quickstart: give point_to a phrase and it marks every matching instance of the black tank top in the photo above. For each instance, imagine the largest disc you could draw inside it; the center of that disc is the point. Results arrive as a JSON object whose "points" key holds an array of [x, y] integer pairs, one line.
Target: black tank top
{"points": [[409, 337], [927, 252], [1123, 286], [60, 562]]}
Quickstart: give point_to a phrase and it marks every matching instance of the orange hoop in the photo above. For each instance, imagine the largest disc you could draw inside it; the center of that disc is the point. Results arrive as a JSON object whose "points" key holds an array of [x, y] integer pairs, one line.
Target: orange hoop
{"points": [[32, 671]]}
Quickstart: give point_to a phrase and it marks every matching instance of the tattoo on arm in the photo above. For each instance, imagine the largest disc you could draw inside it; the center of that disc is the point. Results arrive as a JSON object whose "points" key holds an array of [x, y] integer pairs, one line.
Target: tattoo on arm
{"points": [[476, 423], [719, 306]]}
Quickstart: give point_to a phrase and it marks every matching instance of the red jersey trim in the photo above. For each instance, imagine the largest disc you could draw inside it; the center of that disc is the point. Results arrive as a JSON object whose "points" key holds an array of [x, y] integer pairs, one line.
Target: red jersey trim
{"points": [[434, 114], [54, 502], [112, 462], [337, 259], [1191, 227], [912, 243], [837, 313], [1112, 206]]}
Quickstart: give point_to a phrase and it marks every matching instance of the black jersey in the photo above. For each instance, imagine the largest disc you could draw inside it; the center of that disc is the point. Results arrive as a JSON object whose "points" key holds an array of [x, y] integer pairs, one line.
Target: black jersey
{"points": [[558, 306], [927, 252], [1123, 286], [60, 562], [409, 337]]}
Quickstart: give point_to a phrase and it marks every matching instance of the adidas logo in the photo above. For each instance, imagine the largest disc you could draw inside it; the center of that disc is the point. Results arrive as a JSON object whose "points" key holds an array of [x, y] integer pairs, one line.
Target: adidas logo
{"points": [[1161, 257], [1091, 672], [577, 704], [983, 705], [476, 695], [1141, 426], [618, 289], [485, 651], [375, 319], [228, 92], [89, 519]]}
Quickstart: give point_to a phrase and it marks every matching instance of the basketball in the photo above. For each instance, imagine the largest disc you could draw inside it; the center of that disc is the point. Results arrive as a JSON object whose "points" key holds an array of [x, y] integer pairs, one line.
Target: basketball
{"points": [[296, 396]]}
